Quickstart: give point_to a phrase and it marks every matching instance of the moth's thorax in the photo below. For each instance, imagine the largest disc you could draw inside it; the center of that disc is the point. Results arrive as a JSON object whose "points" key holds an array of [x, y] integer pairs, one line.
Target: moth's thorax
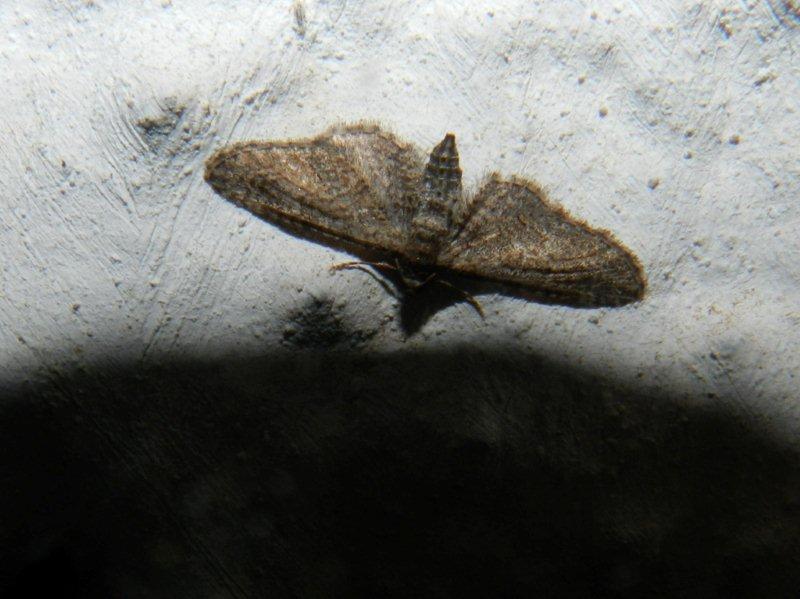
{"points": [[433, 220]]}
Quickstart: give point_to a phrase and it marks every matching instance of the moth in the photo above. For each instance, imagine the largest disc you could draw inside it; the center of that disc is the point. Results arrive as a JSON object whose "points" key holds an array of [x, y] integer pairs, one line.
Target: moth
{"points": [[364, 189]]}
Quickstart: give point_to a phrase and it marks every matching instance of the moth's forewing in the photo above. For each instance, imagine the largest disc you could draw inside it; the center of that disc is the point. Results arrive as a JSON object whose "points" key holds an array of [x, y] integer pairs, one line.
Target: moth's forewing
{"points": [[512, 234], [339, 183]]}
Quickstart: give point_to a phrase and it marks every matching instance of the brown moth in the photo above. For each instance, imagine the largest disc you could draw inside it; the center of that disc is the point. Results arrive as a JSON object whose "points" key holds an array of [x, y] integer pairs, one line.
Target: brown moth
{"points": [[362, 188]]}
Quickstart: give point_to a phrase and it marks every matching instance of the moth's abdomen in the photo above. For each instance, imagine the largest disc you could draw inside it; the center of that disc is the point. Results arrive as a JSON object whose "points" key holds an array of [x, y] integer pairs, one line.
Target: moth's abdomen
{"points": [[433, 223], [442, 173]]}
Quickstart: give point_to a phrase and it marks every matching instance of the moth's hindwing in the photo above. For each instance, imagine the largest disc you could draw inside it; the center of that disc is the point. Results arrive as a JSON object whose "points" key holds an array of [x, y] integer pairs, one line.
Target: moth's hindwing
{"points": [[512, 234]]}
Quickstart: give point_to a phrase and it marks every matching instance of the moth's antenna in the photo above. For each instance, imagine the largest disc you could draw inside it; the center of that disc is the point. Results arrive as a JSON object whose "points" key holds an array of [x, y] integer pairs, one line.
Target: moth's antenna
{"points": [[442, 173]]}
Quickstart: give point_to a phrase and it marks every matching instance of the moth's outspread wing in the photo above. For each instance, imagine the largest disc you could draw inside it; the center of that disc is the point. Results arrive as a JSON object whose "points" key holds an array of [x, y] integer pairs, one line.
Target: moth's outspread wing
{"points": [[353, 182], [360, 184], [512, 234]]}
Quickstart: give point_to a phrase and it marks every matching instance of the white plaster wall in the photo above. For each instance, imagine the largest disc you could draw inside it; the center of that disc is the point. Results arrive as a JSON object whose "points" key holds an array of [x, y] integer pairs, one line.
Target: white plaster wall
{"points": [[674, 124], [114, 249]]}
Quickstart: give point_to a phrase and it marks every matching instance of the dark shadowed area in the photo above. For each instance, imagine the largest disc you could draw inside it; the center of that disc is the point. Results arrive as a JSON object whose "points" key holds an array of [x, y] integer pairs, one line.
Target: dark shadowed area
{"points": [[327, 473]]}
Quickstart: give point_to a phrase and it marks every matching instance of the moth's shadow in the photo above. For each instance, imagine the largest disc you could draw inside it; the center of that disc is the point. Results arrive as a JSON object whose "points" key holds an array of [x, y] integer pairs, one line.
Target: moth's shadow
{"points": [[418, 305], [444, 289]]}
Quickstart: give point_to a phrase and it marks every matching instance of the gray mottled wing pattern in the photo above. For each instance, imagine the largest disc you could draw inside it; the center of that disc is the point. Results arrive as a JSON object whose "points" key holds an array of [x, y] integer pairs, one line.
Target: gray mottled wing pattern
{"points": [[353, 182], [512, 234]]}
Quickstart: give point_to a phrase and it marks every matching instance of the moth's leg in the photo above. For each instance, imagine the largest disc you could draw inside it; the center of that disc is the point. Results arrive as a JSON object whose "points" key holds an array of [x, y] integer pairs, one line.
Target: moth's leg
{"points": [[468, 297], [407, 276], [359, 265], [410, 279]]}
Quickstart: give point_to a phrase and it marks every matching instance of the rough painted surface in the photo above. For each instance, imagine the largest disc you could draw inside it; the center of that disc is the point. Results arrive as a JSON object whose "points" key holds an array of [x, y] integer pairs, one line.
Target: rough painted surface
{"points": [[191, 402]]}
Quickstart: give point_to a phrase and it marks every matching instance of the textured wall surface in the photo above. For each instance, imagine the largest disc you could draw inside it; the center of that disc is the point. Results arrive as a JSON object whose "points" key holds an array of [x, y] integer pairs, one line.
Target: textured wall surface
{"points": [[193, 405]]}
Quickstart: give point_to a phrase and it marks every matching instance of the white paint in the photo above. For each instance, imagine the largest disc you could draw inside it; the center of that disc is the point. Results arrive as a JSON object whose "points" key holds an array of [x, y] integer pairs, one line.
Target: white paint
{"points": [[113, 249]]}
